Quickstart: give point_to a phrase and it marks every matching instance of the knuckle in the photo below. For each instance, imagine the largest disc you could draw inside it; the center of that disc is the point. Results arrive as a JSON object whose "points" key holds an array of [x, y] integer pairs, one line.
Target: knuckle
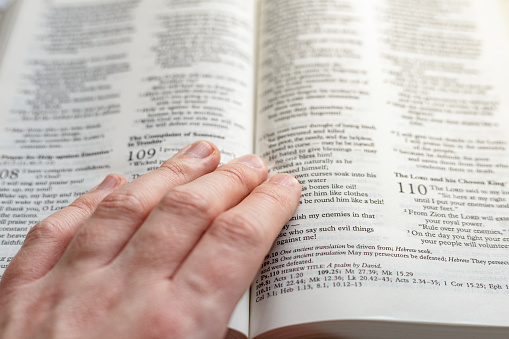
{"points": [[46, 230], [237, 175], [272, 197], [178, 172], [185, 202], [237, 229], [122, 203], [83, 205]]}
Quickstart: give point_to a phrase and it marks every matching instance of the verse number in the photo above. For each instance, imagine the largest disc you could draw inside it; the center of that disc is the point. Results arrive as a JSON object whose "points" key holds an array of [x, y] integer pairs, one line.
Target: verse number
{"points": [[142, 154], [411, 189], [9, 174]]}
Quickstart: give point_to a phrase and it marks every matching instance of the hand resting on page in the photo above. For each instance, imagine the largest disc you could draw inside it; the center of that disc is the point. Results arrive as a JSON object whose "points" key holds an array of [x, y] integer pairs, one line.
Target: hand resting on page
{"points": [[165, 256]]}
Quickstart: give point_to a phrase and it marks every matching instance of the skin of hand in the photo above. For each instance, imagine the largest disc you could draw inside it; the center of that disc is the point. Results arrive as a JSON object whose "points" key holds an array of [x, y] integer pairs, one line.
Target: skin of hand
{"points": [[167, 255]]}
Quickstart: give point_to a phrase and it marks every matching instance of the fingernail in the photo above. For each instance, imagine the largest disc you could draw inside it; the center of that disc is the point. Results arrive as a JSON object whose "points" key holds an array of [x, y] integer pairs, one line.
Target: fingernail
{"points": [[108, 183], [199, 150], [251, 160], [284, 179]]}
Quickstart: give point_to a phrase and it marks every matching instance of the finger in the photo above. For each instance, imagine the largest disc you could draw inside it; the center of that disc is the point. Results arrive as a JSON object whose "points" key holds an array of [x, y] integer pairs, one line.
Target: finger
{"points": [[225, 260], [120, 214], [178, 221], [47, 240]]}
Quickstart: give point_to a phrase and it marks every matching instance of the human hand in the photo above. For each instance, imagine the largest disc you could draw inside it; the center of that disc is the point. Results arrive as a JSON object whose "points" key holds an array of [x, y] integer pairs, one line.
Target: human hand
{"points": [[165, 256]]}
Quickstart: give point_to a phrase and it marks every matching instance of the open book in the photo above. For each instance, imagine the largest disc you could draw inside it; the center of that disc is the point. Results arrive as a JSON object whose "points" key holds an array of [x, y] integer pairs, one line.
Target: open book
{"points": [[393, 115]]}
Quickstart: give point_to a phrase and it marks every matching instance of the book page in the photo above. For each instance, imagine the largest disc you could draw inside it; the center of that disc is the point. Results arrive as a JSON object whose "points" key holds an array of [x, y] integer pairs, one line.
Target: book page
{"points": [[393, 116], [8, 14], [4, 4], [90, 88]]}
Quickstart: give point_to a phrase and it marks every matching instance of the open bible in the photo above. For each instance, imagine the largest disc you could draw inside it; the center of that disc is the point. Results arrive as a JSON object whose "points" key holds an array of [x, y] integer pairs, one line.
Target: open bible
{"points": [[392, 114]]}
